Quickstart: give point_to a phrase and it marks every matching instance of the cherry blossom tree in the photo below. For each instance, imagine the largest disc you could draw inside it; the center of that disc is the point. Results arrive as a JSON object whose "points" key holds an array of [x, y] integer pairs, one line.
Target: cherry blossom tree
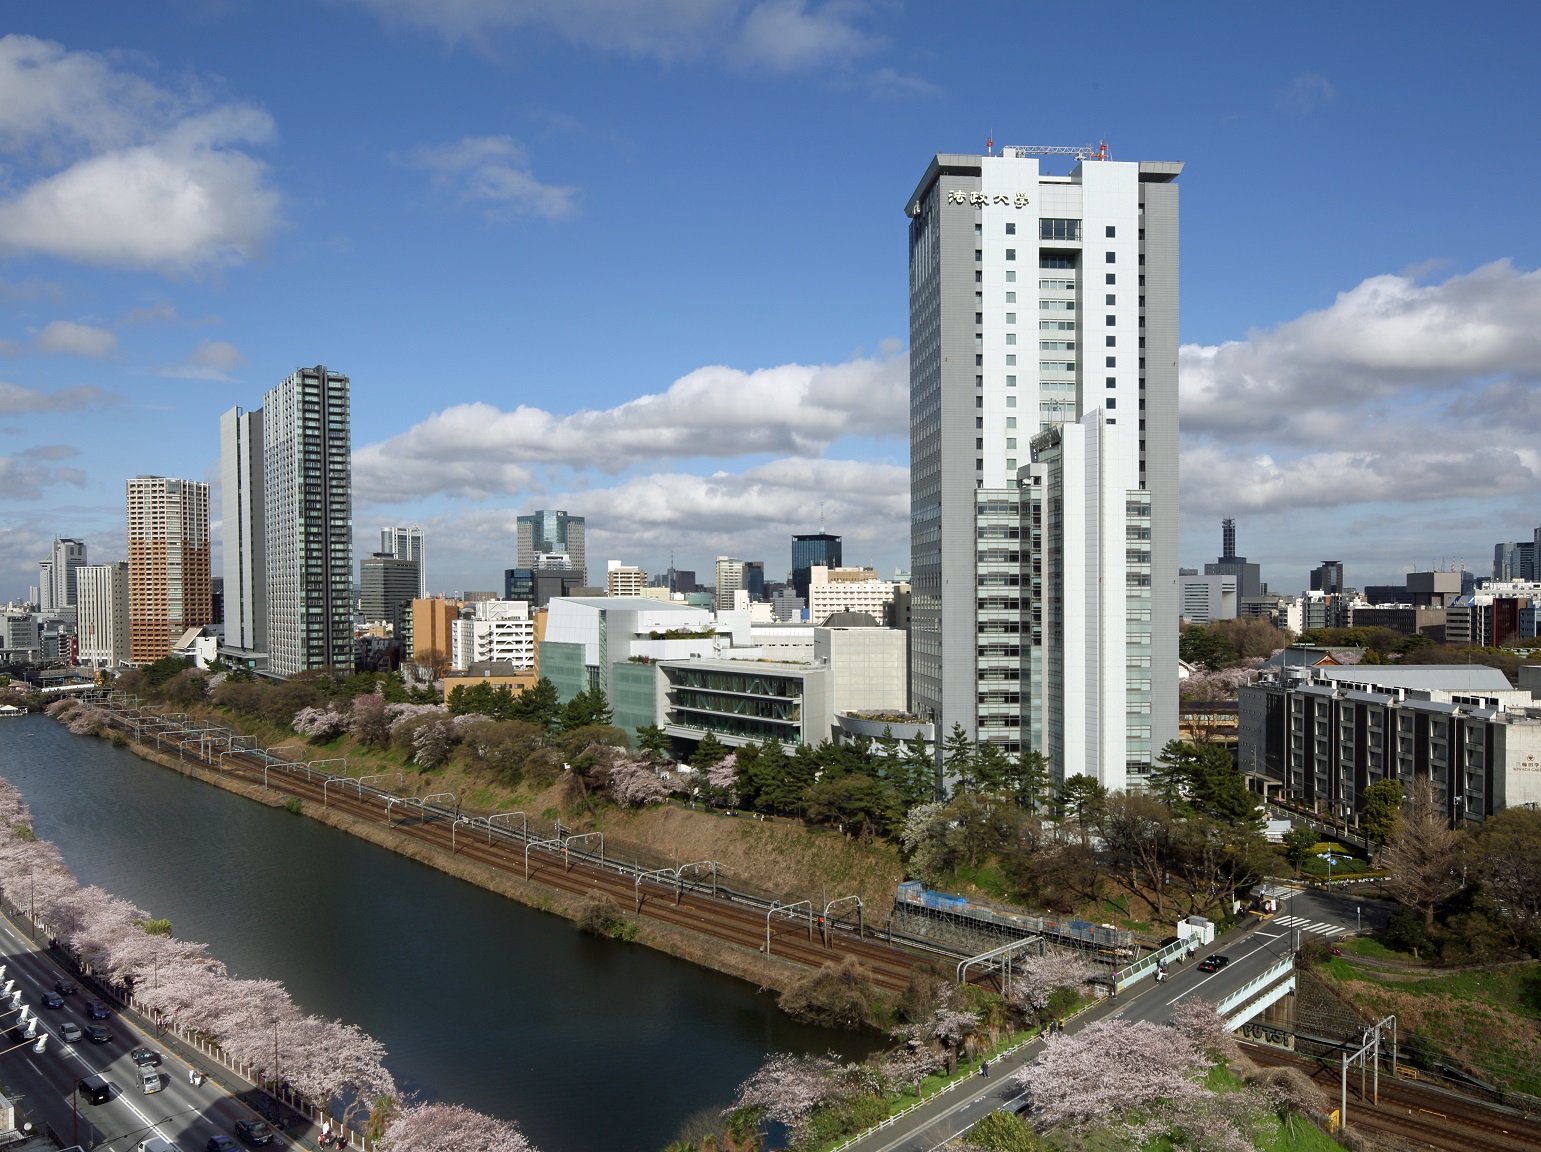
{"points": [[1200, 1021], [722, 779], [1096, 1076], [634, 783], [787, 1089], [1045, 975], [371, 721], [401, 713], [432, 742], [910, 1064], [320, 723], [450, 1128]]}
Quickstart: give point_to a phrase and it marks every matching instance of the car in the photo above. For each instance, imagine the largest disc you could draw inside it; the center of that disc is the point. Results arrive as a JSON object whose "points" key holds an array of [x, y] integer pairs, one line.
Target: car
{"points": [[1213, 963], [145, 1057], [95, 1010], [155, 1144], [66, 987], [254, 1132], [151, 1080], [222, 1143], [98, 1034], [96, 1089], [52, 1000], [69, 1031]]}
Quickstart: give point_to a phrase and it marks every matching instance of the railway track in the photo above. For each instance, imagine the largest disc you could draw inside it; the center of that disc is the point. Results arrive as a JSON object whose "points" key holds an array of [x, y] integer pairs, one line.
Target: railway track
{"points": [[792, 934], [1436, 1119]]}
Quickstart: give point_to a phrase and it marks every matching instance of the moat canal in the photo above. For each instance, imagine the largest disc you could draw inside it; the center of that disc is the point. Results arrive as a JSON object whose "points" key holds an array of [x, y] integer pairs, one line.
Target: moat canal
{"points": [[588, 1044]]}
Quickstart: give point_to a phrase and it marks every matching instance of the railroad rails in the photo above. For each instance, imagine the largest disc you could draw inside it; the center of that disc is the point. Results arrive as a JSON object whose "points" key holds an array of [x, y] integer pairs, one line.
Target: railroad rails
{"points": [[795, 932], [1438, 1119]]}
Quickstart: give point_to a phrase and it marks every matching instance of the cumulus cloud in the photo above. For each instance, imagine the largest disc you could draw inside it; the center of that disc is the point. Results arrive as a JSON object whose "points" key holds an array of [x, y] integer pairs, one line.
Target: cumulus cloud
{"points": [[76, 339], [123, 173], [751, 514], [1398, 392], [15, 398], [494, 171], [211, 360], [780, 35], [478, 450]]}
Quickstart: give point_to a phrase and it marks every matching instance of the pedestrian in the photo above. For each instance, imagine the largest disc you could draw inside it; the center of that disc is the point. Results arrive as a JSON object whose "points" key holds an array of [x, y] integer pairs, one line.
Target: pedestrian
{"points": [[984, 1069], [326, 1132]]}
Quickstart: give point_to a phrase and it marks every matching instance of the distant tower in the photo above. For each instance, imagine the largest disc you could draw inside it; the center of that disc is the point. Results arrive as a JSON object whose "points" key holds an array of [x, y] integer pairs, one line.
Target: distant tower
{"points": [[407, 544], [169, 587]]}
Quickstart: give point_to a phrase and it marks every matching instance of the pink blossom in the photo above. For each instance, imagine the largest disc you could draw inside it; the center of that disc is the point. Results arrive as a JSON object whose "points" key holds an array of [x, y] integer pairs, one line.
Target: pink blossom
{"points": [[319, 723], [788, 1088], [1097, 1075], [634, 783], [910, 1064], [1045, 975], [1200, 1021], [451, 1128]]}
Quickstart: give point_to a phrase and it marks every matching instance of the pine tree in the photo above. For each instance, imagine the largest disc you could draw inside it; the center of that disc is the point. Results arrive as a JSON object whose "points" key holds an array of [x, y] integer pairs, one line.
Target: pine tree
{"points": [[959, 758], [1030, 779], [917, 780], [708, 752]]}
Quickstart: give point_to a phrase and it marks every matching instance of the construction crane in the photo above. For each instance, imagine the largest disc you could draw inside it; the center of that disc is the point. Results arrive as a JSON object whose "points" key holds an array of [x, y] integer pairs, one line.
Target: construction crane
{"points": [[1089, 152]]}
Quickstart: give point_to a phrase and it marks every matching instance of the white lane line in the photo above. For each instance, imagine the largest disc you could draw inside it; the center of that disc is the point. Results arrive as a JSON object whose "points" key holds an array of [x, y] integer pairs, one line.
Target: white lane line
{"points": [[1212, 975]]}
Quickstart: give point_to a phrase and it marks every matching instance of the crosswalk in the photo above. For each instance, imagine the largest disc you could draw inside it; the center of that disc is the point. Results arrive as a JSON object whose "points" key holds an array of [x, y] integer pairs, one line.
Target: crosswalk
{"points": [[1305, 925]]}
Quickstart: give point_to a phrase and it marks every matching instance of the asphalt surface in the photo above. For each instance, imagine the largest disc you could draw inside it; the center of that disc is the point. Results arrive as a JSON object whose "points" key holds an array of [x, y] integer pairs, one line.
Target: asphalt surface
{"points": [[41, 1085]]}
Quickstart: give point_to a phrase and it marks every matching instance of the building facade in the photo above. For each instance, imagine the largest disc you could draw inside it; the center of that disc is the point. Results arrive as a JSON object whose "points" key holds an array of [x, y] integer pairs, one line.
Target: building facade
{"points": [[1249, 577], [624, 580], [406, 543], [548, 531], [56, 575], [170, 589], [1209, 597], [494, 631], [730, 580], [832, 590], [102, 620], [308, 498], [809, 549], [1328, 577], [244, 531], [1034, 299]]}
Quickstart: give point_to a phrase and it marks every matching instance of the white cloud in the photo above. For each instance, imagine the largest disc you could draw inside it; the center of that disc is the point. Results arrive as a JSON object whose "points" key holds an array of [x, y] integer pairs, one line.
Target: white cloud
{"points": [[76, 339], [124, 173], [781, 35], [14, 398], [24, 478], [751, 515], [10, 348], [477, 450], [495, 172], [1399, 392], [211, 360], [1305, 94]]}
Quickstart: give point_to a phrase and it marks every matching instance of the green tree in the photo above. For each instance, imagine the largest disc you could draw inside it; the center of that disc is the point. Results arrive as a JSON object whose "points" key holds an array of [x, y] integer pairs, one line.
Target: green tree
{"points": [[537, 704], [709, 751], [655, 745], [958, 760], [1082, 798], [1299, 843], [1382, 810], [1030, 779], [1219, 789], [772, 778], [1172, 774], [1198, 645], [917, 781], [585, 710], [992, 768]]}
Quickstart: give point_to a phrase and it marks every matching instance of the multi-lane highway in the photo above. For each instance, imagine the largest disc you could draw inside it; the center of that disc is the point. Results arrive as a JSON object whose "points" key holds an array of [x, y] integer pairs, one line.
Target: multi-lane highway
{"points": [[41, 1084]]}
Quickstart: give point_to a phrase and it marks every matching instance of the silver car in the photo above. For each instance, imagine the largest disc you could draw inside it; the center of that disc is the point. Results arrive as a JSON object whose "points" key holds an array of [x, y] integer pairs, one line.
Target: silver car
{"points": [[69, 1032]]}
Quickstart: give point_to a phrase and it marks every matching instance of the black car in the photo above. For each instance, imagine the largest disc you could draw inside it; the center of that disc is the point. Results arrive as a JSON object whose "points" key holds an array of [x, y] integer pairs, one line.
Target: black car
{"points": [[98, 1034], [222, 1143], [1213, 963], [52, 1000], [95, 1010], [145, 1057], [254, 1132], [66, 987]]}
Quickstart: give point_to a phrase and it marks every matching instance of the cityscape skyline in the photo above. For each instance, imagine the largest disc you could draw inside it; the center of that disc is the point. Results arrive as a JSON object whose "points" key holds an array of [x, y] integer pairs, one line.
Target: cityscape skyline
{"points": [[737, 412]]}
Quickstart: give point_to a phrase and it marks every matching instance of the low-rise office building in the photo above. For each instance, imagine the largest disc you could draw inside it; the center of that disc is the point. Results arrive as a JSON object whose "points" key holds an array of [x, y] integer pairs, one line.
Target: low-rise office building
{"points": [[1322, 734], [832, 590], [493, 631]]}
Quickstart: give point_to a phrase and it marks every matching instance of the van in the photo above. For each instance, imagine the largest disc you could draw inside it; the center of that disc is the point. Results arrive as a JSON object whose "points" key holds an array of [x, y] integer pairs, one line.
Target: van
{"points": [[151, 1080], [155, 1144], [96, 1089]]}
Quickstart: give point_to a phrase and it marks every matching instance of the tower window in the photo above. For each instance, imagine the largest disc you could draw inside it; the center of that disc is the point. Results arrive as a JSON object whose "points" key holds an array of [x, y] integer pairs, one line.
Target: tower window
{"points": [[1112, 257], [1112, 231], [1011, 229]]}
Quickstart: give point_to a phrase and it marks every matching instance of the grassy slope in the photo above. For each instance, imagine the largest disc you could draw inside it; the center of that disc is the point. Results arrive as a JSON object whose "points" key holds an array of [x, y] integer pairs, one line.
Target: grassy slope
{"points": [[1488, 1019]]}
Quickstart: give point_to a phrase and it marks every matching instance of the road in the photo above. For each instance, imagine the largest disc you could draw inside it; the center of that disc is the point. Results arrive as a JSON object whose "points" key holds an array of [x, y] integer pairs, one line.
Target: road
{"points": [[41, 1084]]}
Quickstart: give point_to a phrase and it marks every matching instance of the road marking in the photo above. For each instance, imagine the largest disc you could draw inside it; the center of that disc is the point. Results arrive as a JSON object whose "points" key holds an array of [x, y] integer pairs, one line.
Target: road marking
{"points": [[1213, 974], [1321, 928]]}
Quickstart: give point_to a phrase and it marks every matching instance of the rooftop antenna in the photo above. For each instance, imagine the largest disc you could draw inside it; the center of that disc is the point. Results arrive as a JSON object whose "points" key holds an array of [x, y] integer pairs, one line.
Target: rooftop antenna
{"points": [[821, 517]]}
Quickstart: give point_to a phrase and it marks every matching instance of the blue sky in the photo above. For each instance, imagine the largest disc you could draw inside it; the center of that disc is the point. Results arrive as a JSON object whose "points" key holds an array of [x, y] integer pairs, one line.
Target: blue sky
{"points": [[512, 222]]}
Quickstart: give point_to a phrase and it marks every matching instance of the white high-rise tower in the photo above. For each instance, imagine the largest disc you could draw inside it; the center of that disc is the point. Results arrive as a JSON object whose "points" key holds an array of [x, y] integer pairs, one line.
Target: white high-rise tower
{"points": [[1036, 301]]}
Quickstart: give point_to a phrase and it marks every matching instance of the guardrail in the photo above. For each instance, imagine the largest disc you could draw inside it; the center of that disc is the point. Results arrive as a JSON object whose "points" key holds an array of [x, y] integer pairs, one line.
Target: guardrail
{"points": [[1146, 965], [1257, 984]]}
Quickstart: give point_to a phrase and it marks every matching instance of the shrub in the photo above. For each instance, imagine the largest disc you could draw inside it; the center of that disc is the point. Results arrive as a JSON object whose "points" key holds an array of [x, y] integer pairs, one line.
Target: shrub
{"points": [[599, 915], [835, 996]]}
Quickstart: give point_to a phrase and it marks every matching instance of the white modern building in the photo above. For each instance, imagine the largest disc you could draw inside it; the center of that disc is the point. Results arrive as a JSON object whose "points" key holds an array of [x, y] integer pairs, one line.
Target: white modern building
{"points": [[1036, 299], [832, 590], [730, 579], [500, 631], [102, 620], [406, 543], [56, 575], [244, 529], [1208, 598], [308, 506]]}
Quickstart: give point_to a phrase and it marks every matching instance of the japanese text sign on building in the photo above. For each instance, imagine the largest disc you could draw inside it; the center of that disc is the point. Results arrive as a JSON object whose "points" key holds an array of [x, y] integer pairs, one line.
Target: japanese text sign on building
{"points": [[955, 196]]}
